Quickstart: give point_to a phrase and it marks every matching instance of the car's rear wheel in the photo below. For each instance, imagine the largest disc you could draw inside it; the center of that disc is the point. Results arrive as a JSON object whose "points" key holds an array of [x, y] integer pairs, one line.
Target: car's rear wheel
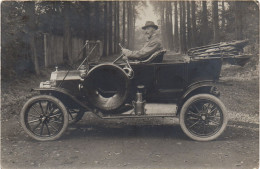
{"points": [[203, 117], [44, 118]]}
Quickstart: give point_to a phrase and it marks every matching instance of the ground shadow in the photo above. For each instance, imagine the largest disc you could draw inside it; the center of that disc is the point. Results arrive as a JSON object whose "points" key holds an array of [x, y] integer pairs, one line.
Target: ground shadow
{"points": [[129, 131], [234, 131]]}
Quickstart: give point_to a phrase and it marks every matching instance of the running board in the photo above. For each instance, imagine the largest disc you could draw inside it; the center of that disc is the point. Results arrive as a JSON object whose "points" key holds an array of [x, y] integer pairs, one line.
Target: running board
{"points": [[151, 110], [121, 116]]}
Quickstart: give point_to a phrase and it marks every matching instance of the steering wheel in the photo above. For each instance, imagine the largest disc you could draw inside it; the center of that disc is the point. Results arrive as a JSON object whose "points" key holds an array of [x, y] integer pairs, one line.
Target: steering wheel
{"points": [[128, 69], [121, 56]]}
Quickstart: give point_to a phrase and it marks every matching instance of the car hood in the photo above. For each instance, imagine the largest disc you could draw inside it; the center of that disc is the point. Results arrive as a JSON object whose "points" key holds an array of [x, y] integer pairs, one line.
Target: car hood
{"points": [[59, 75]]}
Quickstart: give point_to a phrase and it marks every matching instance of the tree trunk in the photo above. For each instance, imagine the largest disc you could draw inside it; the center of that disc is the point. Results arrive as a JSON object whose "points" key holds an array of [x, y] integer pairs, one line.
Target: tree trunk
{"points": [[181, 26], [176, 27], [88, 31], [115, 27], [66, 42], [194, 26], [166, 24], [118, 27], [133, 26], [223, 16], [110, 32], [163, 29], [33, 27], [215, 20], [97, 24], [188, 26], [67, 35], [123, 22], [204, 30], [105, 30], [128, 22], [184, 29], [171, 27], [34, 54], [238, 20]]}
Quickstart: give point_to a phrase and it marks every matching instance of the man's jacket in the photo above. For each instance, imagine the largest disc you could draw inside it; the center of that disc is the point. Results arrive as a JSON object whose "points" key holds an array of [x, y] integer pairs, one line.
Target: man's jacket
{"points": [[152, 45]]}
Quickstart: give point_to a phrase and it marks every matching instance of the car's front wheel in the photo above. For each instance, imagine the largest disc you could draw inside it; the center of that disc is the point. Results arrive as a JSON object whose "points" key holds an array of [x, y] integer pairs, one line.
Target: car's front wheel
{"points": [[44, 118], [203, 117]]}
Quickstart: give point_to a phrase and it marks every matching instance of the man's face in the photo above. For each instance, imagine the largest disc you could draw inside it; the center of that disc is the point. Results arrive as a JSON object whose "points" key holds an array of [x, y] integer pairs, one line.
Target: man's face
{"points": [[149, 31]]}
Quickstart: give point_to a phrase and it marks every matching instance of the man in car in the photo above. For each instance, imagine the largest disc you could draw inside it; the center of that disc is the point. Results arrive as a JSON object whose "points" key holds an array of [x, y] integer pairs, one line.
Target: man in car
{"points": [[152, 44]]}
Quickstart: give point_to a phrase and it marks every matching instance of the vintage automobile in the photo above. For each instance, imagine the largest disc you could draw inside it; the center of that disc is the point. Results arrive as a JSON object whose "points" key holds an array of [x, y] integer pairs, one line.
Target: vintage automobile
{"points": [[125, 89]]}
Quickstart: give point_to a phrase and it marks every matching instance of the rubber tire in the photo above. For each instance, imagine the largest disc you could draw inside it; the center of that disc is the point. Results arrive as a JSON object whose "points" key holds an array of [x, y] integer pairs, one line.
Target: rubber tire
{"points": [[58, 103], [213, 99], [96, 77]]}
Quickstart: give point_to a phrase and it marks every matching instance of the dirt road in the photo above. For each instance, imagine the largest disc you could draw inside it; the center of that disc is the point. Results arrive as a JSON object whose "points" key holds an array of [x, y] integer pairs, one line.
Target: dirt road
{"points": [[136, 143]]}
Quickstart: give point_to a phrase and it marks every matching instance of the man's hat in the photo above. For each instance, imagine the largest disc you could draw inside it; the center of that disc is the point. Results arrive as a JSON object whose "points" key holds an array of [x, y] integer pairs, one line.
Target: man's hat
{"points": [[150, 24]]}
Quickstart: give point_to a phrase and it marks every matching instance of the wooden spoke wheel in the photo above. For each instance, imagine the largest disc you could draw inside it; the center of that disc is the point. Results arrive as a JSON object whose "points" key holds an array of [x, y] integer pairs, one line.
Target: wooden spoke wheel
{"points": [[203, 117], [44, 118]]}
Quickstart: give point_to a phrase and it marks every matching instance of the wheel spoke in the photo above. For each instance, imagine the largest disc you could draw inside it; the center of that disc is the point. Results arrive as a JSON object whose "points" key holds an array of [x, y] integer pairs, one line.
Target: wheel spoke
{"points": [[33, 121], [47, 107], [36, 110], [56, 115], [41, 107], [57, 121], [192, 118], [53, 110], [194, 124], [192, 113], [213, 110], [59, 116], [48, 129], [36, 126], [213, 117], [207, 106], [196, 108], [53, 127], [32, 115], [41, 128], [214, 122]]}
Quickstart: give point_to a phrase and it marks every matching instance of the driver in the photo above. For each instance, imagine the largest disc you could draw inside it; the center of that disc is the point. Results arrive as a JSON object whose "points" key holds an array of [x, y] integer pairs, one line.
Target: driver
{"points": [[152, 44]]}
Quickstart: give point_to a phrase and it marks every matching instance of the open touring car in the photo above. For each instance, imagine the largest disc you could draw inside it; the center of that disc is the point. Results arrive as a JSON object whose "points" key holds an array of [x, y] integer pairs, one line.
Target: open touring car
{"points": [[124, 89]]}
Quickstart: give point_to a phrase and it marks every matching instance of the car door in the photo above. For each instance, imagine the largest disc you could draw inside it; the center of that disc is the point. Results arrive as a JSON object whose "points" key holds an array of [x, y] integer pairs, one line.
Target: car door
{"points": [[144, 74], [170, 80]]}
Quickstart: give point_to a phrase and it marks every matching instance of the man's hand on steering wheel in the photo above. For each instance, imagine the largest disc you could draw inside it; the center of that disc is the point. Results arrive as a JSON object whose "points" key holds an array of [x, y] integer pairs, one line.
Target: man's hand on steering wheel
{"points": [[126, 52]]}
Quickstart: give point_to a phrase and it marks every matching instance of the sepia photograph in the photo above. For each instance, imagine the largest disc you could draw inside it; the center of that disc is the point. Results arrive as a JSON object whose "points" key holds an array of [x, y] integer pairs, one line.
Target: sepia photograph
{"points": [[130, 84]]}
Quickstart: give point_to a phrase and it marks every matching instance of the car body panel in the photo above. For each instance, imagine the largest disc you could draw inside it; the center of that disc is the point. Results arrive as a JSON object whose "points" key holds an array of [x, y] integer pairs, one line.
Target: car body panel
{"points": [[165, 82]]}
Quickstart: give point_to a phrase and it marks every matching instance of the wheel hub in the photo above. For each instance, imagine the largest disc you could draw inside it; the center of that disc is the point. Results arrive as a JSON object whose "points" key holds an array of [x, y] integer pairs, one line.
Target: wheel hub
{"points": [[44, 119], [203, 117]]}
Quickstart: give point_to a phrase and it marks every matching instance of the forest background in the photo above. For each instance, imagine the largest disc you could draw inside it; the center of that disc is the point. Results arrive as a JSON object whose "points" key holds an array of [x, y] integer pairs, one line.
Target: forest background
{"points": [[35, 32]]}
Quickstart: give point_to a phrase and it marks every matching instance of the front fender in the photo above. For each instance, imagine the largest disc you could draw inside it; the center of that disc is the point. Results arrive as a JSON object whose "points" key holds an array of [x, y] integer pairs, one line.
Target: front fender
{"points": [[63, 95]]}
